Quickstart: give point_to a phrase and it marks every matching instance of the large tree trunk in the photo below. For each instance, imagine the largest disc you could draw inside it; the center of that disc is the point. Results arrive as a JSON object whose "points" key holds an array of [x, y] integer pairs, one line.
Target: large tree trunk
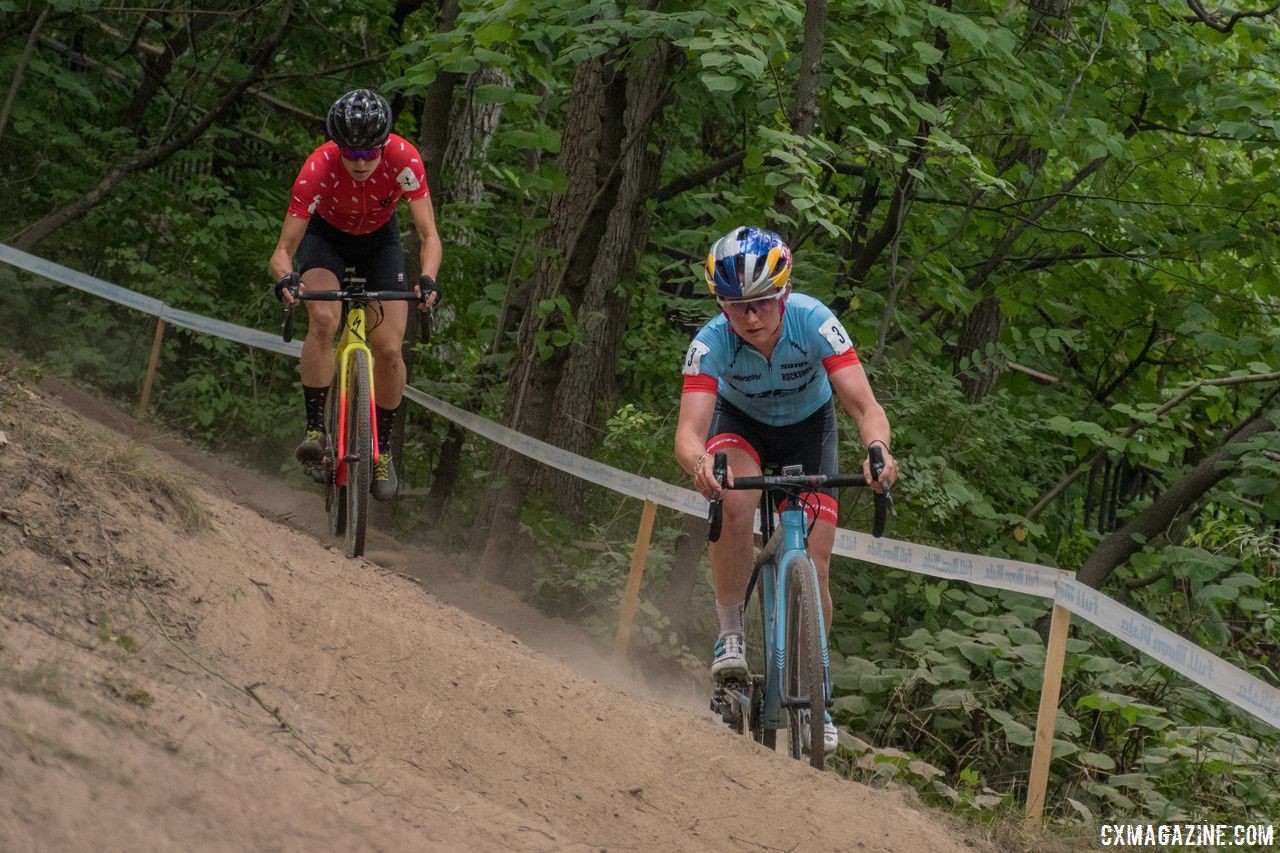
{"points": [[593, 234], [805, 116], [1114, 550]]}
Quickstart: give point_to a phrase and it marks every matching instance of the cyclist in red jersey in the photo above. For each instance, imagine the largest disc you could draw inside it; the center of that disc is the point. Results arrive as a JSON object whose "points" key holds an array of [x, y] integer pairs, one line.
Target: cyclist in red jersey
{"points": [[343, 213]]}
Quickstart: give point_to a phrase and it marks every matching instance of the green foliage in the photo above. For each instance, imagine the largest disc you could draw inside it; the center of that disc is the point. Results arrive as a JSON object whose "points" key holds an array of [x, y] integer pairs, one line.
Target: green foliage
{"points": [[1109, 178]]}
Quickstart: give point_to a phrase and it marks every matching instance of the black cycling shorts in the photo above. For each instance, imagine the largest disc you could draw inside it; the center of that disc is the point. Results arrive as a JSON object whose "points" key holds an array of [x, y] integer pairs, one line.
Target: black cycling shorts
{"points": [[812, 442], [376, 256]]}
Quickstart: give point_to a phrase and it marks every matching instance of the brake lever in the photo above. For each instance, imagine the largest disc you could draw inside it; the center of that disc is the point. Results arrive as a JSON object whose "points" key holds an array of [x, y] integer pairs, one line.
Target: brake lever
{"points": [[715, 511], [876, 457]]}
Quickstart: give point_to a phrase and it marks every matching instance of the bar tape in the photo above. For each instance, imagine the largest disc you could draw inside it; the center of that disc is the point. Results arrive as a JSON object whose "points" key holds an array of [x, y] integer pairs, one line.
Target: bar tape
{"points": [[1201, 666]]}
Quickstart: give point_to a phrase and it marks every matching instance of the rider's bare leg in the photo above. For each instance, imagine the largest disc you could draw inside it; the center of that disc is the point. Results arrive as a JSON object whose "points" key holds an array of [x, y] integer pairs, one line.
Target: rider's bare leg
{"points": [[322, 324], [822, 538], [386, 340], [732, 556]]}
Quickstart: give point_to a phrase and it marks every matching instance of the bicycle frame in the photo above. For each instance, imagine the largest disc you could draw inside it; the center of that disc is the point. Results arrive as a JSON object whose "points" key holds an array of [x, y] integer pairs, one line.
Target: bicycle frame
{"points": [[352, 339], [787, 543], [762, 702]]}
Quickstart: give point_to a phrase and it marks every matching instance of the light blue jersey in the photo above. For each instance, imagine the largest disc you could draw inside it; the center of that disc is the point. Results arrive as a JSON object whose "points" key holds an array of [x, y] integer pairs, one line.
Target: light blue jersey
{"points": [[777, 391]]}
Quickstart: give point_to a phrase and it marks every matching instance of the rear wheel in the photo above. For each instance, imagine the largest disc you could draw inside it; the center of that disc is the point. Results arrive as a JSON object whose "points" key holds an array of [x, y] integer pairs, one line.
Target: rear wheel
{"points": [[803, 679], [359, 452]]}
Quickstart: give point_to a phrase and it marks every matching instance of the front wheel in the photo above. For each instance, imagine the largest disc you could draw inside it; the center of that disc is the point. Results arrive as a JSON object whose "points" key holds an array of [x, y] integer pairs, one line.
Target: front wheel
{"points": [[359, 459], [335, 496], [757, 662], [804, 677]]}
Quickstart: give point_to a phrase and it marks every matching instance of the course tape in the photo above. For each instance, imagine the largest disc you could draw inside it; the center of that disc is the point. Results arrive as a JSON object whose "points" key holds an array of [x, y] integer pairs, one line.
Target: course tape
{"points": [[80, 281], [1201, 666], [997, 572]]}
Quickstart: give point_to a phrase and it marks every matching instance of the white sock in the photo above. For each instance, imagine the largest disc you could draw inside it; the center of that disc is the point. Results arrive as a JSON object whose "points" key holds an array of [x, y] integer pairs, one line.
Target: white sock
{"points": [[731, 618]]}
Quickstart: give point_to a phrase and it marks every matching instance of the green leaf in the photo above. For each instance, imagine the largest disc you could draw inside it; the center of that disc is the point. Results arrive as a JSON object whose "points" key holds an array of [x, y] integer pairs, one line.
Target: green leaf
{"points": [[928, 53]]}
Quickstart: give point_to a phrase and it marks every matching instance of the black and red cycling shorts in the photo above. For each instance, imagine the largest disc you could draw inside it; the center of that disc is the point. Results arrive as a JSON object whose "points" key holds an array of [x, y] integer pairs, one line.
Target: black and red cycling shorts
{"points": [[812, 443]]}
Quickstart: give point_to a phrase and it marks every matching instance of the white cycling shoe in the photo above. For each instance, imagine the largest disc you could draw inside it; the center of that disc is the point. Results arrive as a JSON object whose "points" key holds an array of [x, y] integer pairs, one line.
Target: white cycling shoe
{"points": [[830, 737], [730, 656]]}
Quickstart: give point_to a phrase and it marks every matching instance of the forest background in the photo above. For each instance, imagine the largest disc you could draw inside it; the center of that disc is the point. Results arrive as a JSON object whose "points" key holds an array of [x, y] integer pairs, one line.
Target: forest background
{"points": [[1053, 229]]}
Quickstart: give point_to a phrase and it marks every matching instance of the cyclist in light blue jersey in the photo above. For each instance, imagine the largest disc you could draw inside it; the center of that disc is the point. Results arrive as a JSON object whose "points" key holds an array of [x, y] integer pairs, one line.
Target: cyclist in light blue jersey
{"points": [[758, 384]]}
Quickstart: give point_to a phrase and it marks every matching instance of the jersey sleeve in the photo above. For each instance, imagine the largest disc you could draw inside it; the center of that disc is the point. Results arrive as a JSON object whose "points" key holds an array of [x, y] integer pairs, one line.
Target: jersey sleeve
{"points": [[701, 366], [411, 172], [310, 185], [833, 341]]}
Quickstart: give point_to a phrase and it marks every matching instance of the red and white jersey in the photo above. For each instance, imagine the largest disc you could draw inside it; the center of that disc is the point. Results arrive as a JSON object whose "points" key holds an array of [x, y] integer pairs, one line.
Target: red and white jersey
{"points": [[324, 186]]}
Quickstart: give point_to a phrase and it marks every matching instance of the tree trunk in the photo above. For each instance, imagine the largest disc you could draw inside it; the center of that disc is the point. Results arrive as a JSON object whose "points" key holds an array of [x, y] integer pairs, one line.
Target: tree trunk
{"points": [[686, 570], [1114, 550], [21, 69], [594, 231], [983, 325], [981, 329], [806, 110]]}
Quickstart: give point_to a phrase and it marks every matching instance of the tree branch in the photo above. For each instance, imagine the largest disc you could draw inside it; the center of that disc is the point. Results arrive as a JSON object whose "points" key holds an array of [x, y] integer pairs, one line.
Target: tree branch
{"points": [[1131, 431], [1214, 19], [1119, 546], [265, 50]]}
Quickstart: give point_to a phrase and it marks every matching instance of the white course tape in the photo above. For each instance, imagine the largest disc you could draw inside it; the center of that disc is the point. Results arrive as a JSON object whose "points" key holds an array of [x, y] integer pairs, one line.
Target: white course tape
{"points": [[1203, 667], [570, 463], [80, 281], [230, 331], [995, 572]]}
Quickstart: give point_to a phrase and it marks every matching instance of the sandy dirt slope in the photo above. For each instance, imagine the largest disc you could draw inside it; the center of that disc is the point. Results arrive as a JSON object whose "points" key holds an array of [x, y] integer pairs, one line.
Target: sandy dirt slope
{"points": [[179, 670]]}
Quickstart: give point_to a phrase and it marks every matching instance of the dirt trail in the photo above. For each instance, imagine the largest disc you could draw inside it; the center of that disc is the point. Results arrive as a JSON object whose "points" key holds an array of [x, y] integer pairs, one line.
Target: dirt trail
{"points": [[180, 670]]}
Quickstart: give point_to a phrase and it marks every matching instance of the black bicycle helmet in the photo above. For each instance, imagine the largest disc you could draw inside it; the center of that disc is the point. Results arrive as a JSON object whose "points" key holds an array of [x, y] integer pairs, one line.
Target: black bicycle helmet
{"points": [[359, 119]]}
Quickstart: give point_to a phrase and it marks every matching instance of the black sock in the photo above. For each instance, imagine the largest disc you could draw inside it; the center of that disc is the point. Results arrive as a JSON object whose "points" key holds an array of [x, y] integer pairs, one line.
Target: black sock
{"points": [[314, 399], [386, 417]]}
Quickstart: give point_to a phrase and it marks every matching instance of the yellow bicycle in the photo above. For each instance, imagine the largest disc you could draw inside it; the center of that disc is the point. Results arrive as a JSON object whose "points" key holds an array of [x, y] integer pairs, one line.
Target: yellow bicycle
{"points": [[351, 428]]}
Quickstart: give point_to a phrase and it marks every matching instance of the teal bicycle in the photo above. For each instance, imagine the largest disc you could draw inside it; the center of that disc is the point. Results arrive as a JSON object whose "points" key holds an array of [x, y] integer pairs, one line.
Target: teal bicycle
{"points": [[788, 680]]}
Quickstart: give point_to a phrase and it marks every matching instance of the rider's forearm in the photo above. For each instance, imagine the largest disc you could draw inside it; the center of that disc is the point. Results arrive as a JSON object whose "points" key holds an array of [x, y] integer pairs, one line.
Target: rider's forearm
{"points": [[873, 427], [689, 449], [281, 263], [431, 255]]}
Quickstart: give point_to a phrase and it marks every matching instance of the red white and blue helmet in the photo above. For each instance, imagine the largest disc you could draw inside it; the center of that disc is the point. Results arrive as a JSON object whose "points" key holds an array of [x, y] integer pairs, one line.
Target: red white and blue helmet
{"points": [[747, 262]]}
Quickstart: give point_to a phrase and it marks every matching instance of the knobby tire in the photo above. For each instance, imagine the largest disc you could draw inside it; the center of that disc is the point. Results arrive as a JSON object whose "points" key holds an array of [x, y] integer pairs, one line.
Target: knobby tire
{"points": [[803, 675], [335, 497], [359, 452], [757, 663]]}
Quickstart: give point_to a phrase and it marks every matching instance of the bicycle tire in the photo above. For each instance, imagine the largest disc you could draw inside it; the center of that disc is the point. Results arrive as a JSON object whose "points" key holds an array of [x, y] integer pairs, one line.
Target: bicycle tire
{"points": [[335, 496], [804, 682], [756, 662], [359, 452]]}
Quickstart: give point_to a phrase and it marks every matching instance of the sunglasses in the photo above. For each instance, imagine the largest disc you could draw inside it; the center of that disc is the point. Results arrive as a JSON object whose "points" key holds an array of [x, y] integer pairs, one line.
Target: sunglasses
{"points": [[361, 153], [741, 307]]}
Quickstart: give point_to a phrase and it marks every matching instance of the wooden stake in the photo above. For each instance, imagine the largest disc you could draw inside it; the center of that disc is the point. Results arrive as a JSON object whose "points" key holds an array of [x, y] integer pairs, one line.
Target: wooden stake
{"points": [[627, 612], [151, 367], [1050, 690]]}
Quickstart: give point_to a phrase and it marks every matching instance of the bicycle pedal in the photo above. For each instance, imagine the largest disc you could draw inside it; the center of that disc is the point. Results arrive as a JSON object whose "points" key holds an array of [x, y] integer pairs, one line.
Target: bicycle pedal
{"points": [[316, 472]]}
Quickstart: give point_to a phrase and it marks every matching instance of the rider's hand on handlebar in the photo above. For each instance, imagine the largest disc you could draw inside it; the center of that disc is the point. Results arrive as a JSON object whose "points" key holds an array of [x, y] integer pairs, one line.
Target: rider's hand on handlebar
{"points": [[288, 287], [428, 291], [704, 480], [887, 476]]}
